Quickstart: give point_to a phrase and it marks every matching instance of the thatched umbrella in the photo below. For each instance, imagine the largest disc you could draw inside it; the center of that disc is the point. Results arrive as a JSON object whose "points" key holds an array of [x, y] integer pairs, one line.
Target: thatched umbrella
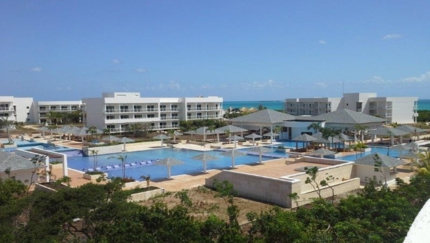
{"points": [[235, 138], [204, 157], [125, 140], [253, 136], [161, 137], [260, 150], [321, 152], [176, 133], [169, 162], [233, 153]]}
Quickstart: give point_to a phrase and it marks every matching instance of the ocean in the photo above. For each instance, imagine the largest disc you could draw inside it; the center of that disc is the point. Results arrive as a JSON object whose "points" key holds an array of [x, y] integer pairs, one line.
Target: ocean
{"points": [[423, 104]]}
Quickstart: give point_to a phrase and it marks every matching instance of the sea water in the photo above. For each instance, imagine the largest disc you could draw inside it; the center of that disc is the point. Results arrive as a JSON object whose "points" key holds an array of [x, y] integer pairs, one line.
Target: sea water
{"points": [[423, 104]]}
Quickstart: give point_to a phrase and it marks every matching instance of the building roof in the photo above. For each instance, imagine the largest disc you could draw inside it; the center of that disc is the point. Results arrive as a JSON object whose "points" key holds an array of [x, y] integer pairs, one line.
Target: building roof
{"points": [[386, 161], [346, 116], [263, 117], [14, 162]]}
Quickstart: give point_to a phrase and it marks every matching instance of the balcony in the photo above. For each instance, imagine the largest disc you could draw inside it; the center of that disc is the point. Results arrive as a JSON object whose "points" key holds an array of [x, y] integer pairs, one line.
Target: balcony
{"points": [[203, 109], [129, 110], [169, 118], [202, 117], [169, 110]]}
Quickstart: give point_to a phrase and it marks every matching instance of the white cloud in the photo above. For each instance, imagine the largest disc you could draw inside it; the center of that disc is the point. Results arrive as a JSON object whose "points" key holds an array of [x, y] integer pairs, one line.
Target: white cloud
{"points": [[261, 85], [141, 70], [115, 61], [377, 80], [321, 85], [173, 85], [391, 36], [322, 42], [418, 79], [36, 69], [205, 86]]}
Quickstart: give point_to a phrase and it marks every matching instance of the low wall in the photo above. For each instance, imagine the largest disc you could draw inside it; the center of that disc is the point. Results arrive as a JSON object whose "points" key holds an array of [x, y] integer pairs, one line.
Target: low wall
{"points": [[340, 172], [143, 196], [260, 188], [326, 192], [41, 187], [111, 149]]}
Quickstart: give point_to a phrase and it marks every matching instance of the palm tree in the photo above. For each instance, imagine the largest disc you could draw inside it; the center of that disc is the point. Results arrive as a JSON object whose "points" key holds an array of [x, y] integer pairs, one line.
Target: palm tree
{"points": [[360, 130], [316, 126], [51, 128], [92, 131], [121, 158], [147, 179], [330, 132], [424, 168], [5, 123], [359, 146], [94, 153]]}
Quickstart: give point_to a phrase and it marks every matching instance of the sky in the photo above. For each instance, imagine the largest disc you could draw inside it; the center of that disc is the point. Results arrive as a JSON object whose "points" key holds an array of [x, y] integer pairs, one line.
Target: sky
{"points": [[239, 50]]}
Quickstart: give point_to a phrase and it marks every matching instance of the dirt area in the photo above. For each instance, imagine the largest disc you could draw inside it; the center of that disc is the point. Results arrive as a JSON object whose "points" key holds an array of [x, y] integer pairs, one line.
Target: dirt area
{"points": [[204, 203]]}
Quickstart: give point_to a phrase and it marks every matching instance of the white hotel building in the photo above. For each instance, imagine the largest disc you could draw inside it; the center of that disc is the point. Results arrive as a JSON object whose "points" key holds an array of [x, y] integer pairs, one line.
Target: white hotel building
{"points": [[393, 109], [16, 109], [117, 111], [42, 109]]}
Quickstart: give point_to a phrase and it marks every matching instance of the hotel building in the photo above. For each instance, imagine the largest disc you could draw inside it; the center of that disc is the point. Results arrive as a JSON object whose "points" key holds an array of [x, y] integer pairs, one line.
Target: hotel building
{"points": [[393, 109], [16, 109], [42, 109], [117, 111]]}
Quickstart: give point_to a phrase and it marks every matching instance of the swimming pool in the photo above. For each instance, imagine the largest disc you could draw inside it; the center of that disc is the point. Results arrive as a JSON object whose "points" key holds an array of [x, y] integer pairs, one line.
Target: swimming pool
{"points": [[158, 172], [381, 150]]}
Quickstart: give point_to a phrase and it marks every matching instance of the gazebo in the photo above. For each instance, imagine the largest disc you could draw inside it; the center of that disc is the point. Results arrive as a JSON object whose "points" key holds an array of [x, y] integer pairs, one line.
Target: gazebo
{"points": [[366, 167], [264, 118]]}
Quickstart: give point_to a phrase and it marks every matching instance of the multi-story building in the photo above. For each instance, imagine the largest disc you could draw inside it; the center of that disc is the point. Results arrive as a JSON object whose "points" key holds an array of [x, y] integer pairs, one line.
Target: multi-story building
{"points": [[43, 109], [393, 109], [117, 111], [311, 106], [16, 109]]}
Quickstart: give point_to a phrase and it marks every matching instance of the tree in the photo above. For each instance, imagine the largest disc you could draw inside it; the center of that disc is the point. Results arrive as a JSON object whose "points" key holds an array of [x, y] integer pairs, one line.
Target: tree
{"points": [[316, 126], [313, 173], [5, 123], [123, 159], [359, 146], [92, 131], [378, 168], [330, 132], [94, 153], [136, 129], [360, 130], [226, 191], [38, 161], [54, 117], [295, 197], [147, 179]]}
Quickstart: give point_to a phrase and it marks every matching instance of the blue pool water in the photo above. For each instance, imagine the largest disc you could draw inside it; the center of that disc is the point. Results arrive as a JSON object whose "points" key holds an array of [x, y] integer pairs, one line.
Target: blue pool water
{"points": [[381, 150], [157, 172]]}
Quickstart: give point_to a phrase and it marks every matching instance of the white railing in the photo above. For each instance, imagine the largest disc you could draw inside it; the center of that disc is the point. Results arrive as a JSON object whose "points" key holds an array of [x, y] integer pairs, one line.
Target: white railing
{"points": [[129, 110], [204, 109], [167, 109], [202, 117], [6, 109]]}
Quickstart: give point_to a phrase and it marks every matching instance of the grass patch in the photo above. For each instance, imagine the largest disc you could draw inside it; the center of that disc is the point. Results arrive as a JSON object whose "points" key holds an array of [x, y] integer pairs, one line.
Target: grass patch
{"points": [[144, 189]]}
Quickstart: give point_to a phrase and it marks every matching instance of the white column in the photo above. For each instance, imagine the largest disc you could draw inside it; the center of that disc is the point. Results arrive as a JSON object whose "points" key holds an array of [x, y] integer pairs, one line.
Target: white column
{"points": [[65, 168], [47, 169]]}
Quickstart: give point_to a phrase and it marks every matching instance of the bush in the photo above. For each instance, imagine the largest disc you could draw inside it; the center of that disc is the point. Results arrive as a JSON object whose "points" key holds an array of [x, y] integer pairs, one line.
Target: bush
{"points": [[94, 172]]}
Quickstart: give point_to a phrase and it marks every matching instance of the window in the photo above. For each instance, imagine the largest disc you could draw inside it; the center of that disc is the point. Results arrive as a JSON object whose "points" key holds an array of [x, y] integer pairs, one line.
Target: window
{"points": [[162, 107], [110, 108], [28, 107], [53, 108], [110, 117], [124, 116], [42, 108], [150, 108], [111, 127], [174, 107], [189, 107], [64, 108], [162, 125], [199, 115], [188, 115], [74, 108], [199, 107], [174, 116], [150, 116], [163, 116], [124, 108], [138, 116], [174, 124], [137, 108]]}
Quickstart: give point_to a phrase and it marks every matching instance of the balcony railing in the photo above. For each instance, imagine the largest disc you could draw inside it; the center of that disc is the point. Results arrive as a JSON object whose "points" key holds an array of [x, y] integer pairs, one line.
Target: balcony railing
{"points": [[202, 117], [169, 118], [6, 109], [203, 109], [168, 109], [129, 110], [119, 130]]}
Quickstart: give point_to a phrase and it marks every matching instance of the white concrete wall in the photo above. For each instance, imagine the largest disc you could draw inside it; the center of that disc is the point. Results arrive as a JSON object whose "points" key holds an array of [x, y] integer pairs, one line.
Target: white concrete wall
{"points": [[368, 172], [21, 175]]}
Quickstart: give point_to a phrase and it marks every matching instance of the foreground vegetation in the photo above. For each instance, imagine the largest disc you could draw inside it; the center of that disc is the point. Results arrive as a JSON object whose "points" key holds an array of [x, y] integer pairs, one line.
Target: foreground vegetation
{"points": [[100, 213]]}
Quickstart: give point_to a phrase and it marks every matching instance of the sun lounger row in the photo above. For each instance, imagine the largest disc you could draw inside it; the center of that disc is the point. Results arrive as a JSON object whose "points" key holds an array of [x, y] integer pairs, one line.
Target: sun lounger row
{"points": [[118, 166]]}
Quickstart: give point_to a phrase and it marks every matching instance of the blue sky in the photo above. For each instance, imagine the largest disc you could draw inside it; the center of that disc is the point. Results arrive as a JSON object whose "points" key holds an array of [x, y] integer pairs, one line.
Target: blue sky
{"points": [[240, 50]]}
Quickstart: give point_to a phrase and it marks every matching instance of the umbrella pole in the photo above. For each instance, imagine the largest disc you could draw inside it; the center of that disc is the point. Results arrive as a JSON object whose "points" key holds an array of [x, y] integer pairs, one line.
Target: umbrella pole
{"points": [[204, 166], [261, 156], [232, 161], [168, 172]]}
